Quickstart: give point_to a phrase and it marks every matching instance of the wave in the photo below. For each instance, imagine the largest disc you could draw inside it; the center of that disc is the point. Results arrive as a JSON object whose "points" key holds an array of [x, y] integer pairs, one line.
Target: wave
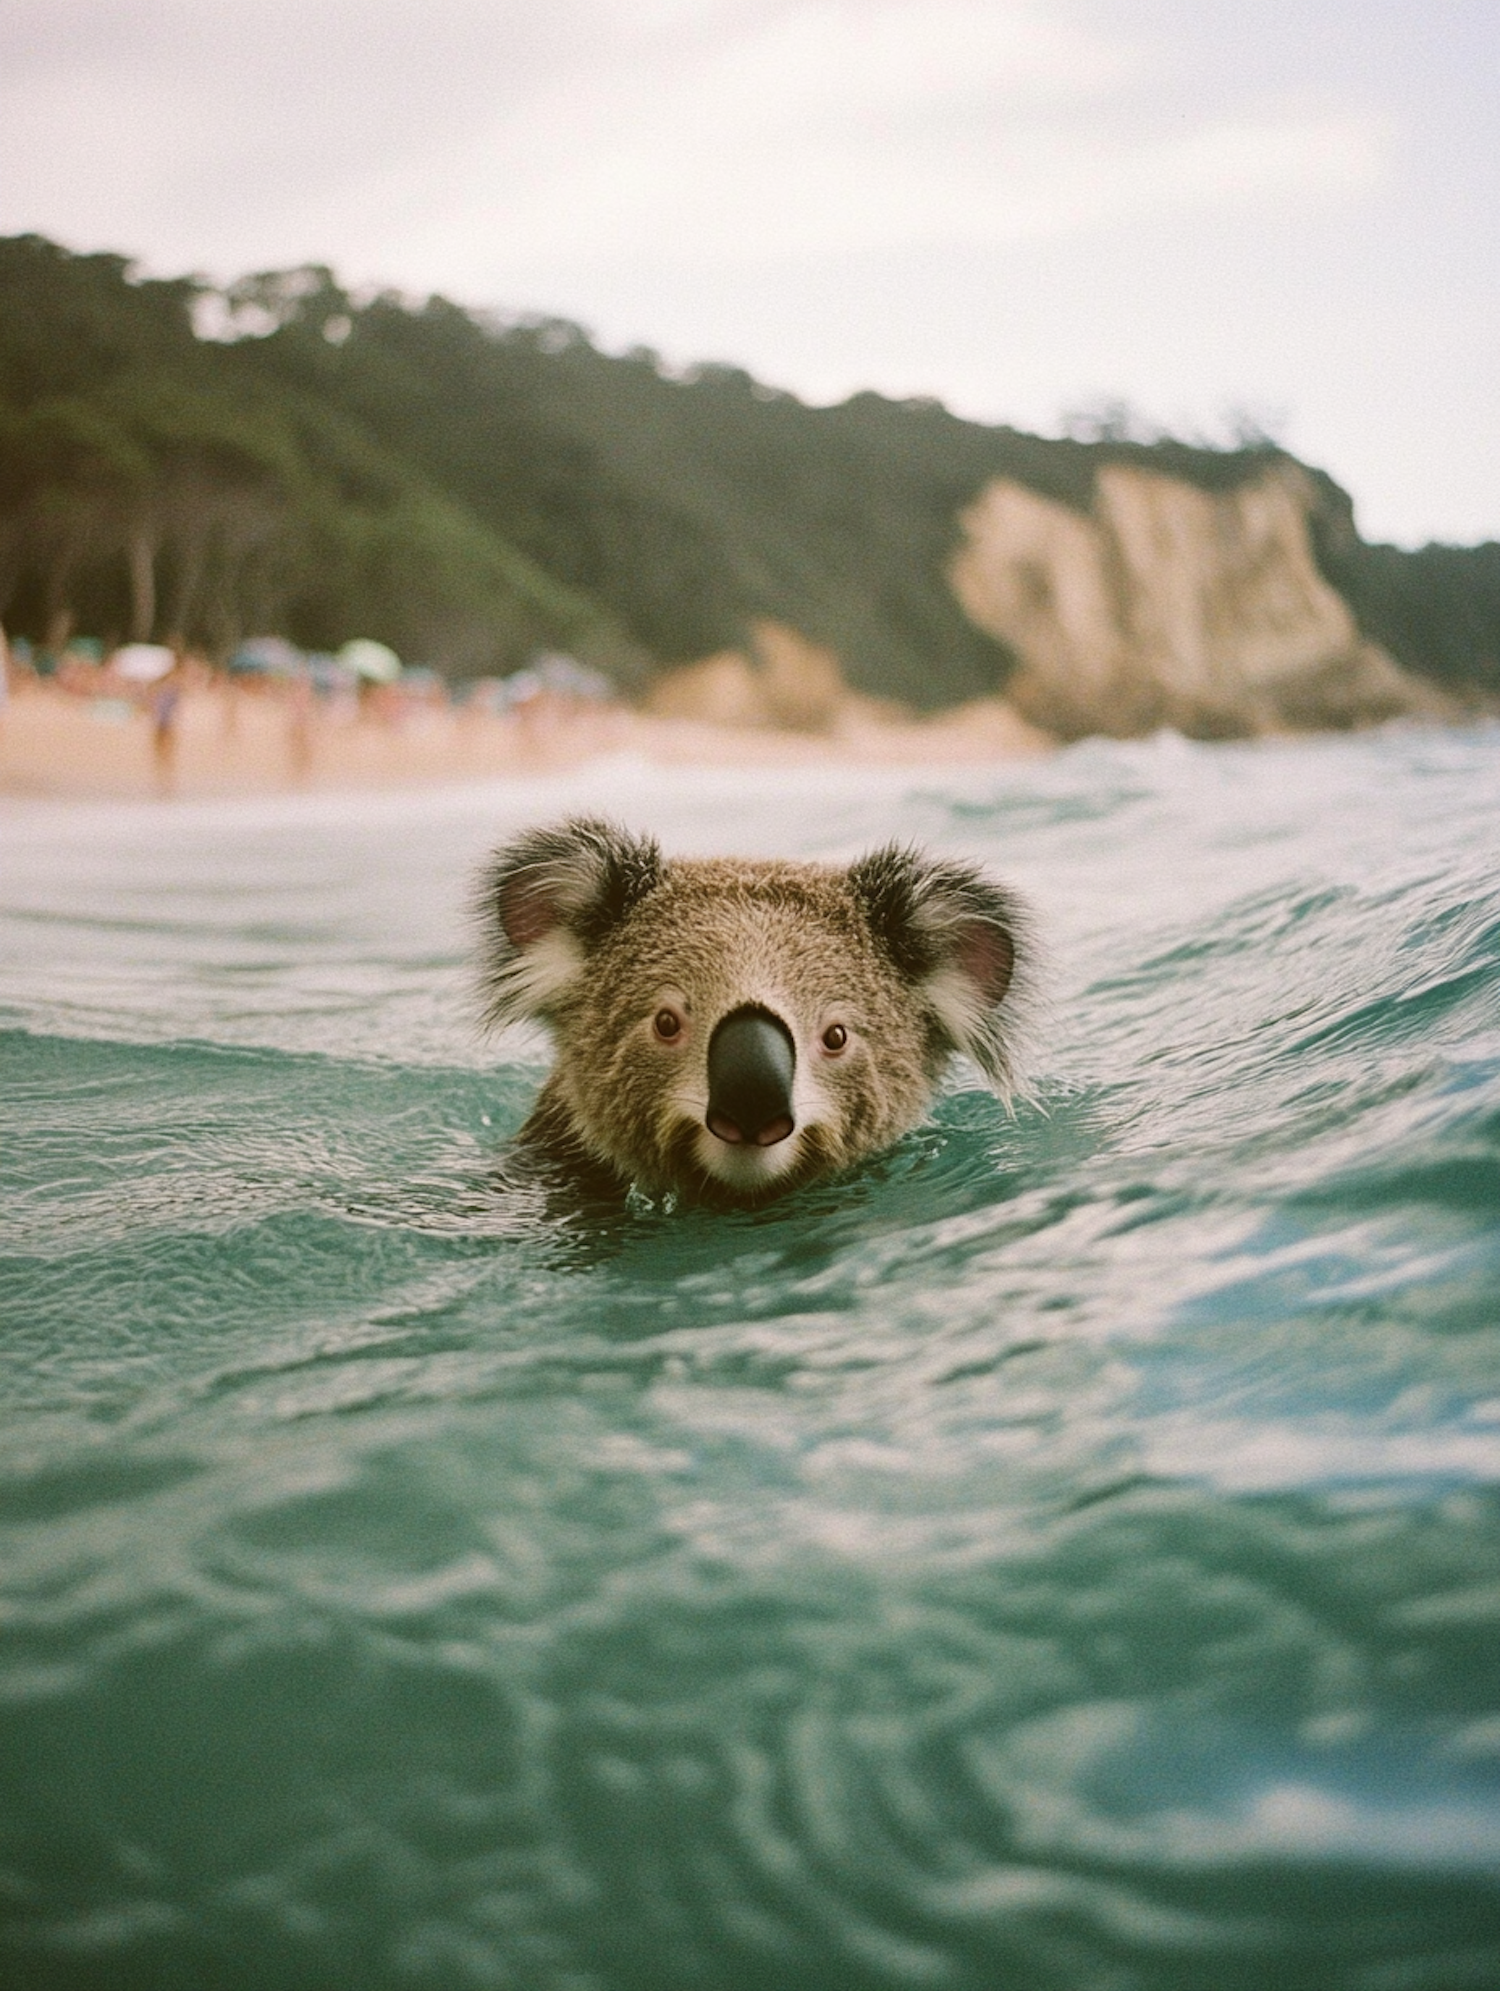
{"points": [[1060, 1554]]}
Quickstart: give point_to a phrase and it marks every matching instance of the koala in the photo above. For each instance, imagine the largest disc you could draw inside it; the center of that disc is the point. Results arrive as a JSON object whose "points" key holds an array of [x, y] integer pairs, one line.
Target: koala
{"points": [[730, 1029]]}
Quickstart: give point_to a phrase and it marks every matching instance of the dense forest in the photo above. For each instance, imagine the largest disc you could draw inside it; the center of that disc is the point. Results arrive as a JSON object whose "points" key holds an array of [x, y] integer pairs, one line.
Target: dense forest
{"points": [[179, 461]]}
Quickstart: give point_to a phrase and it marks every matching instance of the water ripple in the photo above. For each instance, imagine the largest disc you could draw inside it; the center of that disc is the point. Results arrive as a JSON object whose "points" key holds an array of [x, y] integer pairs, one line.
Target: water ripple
{"points": [[1062, 1555]]}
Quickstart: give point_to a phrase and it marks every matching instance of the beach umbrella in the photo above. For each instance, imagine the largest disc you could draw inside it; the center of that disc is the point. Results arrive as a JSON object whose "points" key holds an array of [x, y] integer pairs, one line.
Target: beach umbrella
{"points": [[517, 689], [375, 662], [552, 671], [556, 671], [266, 656], [142, 663], [328, 675]]}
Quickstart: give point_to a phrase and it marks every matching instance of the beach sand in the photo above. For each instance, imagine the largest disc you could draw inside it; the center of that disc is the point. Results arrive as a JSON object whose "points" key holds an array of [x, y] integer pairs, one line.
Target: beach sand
{"points": [[243, 742]]}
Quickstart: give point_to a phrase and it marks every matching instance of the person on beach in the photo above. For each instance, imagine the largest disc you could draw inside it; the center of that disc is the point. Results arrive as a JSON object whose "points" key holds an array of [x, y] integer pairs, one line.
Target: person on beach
{"points": [[165, 700], [299, 728]]}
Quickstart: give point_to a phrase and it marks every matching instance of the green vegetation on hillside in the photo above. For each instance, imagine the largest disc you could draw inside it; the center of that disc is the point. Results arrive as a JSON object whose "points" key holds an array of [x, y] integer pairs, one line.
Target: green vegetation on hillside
{"points": [[156, 483], [467, 490]]}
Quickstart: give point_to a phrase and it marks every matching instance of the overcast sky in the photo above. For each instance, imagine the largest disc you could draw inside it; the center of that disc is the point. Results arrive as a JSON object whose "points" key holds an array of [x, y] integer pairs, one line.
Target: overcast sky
{"points": [[1285, 208]]}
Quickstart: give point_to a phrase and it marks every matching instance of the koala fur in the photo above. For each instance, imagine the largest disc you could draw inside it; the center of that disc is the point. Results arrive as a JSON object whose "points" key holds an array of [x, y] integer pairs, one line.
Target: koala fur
{"points": [[816, 1004]]}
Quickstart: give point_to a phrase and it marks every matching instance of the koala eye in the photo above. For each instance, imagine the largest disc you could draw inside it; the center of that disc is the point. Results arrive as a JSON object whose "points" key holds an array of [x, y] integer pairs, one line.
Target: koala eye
{"points": [[667, 1024], [835, 1037]]}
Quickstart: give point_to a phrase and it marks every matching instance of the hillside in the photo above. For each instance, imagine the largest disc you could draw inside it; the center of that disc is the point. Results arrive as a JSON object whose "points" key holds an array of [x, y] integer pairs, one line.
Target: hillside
{"points": [[467, 489]]}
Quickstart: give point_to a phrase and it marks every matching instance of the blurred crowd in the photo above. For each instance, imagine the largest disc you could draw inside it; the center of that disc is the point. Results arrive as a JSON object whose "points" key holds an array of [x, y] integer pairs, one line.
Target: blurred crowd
{"points": [[310, 697]]}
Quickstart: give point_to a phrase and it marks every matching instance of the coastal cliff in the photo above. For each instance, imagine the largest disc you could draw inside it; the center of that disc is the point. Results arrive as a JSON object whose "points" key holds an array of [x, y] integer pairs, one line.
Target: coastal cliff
{"points": [[1165, 604], [783, 683]]}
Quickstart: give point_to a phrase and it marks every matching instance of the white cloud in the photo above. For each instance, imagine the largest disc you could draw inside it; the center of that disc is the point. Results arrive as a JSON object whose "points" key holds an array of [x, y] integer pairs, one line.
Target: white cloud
{"points": [[202, 131], [832, 128], [501, 142]]}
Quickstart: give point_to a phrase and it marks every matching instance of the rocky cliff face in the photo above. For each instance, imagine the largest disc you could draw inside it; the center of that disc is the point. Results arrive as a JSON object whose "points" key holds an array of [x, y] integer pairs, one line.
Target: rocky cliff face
{"points": [[1167, 605], [783, 682]]}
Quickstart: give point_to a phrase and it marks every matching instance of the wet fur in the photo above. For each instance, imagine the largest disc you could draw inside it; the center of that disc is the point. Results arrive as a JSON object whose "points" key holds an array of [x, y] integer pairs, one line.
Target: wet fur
{"points": [[587, 929]]}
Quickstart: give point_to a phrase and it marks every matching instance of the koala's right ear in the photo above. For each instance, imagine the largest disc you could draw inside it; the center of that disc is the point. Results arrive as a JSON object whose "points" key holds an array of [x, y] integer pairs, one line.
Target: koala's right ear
{"points": [[545, 900]]}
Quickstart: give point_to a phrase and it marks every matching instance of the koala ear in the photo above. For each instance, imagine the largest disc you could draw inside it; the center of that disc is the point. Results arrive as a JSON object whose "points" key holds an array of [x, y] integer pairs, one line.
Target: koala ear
{"points": [[958, 938], [545, 901]]}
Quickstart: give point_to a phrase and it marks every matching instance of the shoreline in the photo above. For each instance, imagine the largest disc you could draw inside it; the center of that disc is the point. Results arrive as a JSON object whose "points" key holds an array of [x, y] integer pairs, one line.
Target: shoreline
{"points": [[231, 742]]}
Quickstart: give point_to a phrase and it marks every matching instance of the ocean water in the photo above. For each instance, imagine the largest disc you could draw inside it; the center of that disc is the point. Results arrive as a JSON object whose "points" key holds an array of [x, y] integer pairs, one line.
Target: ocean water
{"points": [[1065, 1554]]}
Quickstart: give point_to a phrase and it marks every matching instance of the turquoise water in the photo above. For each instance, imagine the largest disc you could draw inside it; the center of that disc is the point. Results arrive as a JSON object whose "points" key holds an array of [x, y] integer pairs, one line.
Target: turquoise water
{"points": [[1065, 1555]]}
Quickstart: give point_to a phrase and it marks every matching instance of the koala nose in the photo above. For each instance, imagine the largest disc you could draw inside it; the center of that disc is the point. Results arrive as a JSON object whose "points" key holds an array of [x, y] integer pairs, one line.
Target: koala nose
{"points": [[751, 1059]]}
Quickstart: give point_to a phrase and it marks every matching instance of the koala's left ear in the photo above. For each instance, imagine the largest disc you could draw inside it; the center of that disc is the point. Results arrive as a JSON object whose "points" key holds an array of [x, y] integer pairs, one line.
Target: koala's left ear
{"points": [[545, 900], [958, 938]]}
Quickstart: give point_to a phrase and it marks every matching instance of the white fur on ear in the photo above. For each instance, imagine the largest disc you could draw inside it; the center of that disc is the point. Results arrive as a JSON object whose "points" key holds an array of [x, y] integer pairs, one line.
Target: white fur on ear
{"points": [[959, 1008], [537, 977], [544, 901]]}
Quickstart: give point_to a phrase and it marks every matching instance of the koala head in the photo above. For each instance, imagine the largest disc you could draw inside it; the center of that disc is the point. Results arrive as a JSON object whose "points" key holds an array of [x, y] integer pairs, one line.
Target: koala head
{"points": [[729, 1029]]}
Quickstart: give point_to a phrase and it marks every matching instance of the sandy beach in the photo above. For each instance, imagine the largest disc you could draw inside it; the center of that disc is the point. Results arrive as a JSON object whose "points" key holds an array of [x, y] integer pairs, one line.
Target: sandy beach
{"points": [[233, 741]]}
